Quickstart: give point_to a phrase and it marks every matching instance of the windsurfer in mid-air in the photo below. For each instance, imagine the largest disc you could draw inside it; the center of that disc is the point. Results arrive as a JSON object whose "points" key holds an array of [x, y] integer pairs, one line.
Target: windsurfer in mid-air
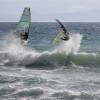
{"points": [[63, 35], [24, 35], [23, 27], [64, 31]]}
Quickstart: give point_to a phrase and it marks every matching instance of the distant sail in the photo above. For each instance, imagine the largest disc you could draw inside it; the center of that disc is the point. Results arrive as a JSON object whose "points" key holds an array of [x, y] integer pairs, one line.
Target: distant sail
{"points": [[23, 27]]}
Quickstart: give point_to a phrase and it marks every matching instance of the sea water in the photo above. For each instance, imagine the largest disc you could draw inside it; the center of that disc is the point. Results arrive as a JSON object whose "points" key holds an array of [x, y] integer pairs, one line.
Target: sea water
{"points": [[40, 70]]}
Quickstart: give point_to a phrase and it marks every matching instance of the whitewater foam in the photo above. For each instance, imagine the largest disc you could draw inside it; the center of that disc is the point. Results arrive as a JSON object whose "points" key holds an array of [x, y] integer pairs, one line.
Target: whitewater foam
{"points": [[70, 46], [65, 53]]}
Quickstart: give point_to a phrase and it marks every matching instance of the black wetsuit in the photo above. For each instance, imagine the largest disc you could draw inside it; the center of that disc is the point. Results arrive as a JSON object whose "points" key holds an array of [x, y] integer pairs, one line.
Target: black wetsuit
{"points": [[24, 36], [65, 38]]}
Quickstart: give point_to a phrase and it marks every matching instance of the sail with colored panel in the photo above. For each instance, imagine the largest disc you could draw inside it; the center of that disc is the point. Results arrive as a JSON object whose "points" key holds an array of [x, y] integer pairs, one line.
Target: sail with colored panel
{"points": [[23, 26], [57, 39]]}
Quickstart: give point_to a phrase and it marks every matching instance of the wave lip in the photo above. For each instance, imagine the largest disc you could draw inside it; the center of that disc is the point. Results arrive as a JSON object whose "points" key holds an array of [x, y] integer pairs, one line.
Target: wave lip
{"points": [[49, 60]]}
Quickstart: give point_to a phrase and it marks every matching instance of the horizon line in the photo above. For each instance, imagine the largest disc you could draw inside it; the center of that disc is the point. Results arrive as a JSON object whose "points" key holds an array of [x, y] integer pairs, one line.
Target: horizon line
{"points": [[55, 21]]}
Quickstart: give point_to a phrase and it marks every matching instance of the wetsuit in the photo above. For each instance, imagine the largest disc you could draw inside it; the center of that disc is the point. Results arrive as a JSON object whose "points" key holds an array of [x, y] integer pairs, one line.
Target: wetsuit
{"points": [[65, 38], [24, 36]]}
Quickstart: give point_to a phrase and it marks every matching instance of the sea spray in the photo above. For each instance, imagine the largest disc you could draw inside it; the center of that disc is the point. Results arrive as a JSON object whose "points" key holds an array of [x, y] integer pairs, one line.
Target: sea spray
{"points": [[70, 46], [14, 52]]}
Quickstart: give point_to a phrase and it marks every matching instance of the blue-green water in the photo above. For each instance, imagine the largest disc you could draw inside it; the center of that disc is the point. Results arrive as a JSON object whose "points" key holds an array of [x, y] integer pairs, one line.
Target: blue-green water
{"points": [[43, 71]]}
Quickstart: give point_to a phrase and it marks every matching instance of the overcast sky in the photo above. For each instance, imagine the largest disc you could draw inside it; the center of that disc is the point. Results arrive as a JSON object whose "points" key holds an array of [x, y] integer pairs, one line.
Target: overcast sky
{"points": [[49, 10]]}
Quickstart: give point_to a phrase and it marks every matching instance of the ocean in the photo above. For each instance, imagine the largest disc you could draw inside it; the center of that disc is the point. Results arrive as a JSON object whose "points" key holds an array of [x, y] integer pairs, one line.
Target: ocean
{"points": [[40, 70]]}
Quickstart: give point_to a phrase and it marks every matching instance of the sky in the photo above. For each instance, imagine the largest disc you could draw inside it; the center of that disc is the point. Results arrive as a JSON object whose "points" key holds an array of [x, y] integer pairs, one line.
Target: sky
{"points": [[49, 10]]}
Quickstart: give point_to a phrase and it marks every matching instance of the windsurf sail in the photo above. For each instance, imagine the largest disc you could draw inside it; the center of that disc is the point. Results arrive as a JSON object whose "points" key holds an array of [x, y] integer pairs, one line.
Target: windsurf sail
{"points": [[23, 26], [63, 35], [57, 39]]}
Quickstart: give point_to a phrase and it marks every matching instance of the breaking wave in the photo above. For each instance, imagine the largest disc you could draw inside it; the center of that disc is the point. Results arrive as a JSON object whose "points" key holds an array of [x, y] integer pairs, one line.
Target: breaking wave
{"points": [[14, 53]]}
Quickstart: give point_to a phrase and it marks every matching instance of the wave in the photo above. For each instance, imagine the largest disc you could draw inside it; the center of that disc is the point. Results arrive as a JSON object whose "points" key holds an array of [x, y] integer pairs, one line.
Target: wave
{"points": [[14, 53], [71, 95], [47, 59], [53, 94]]}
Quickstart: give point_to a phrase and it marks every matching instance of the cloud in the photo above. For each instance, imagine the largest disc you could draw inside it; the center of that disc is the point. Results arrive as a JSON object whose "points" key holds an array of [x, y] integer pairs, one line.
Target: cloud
{"points": [[47, 10]]}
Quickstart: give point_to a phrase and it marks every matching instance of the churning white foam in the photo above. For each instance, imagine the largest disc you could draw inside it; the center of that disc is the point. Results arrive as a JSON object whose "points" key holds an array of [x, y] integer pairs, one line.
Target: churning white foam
{"points": [[20, 53], [14, 46], [70, 46]]}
